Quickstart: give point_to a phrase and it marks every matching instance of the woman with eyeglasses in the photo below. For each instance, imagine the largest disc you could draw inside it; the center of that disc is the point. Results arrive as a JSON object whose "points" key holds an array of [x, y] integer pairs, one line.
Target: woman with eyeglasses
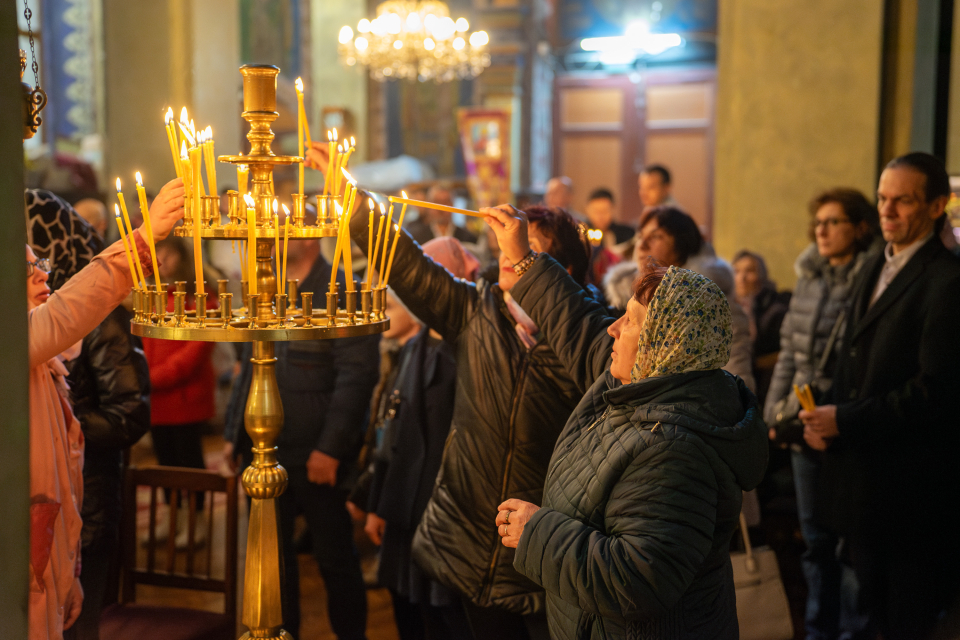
{"points": [[843, 226], [55, 323]]}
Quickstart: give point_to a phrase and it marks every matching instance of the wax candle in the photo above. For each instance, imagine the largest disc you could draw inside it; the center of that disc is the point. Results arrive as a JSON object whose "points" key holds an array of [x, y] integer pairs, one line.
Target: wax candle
{"points": [[338, 185], [347, 242], [327, 176], [145, 212], [376, 244], [133, 242], [172, 139], [243, 172], [301, 120], [195, 156], [208, 153], [369, 243], [386, 243], [251, 244], [286, 240], [396, 236], [276, 248], [126, 248], [339, 246]]}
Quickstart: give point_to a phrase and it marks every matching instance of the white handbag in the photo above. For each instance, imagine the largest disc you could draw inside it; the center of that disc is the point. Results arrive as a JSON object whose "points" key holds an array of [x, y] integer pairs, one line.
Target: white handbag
{"points": [[762, 608]]}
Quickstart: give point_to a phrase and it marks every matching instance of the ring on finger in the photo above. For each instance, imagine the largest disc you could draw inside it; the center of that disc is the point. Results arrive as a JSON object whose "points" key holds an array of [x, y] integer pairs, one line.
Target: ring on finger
{"points": [[507, 518]]}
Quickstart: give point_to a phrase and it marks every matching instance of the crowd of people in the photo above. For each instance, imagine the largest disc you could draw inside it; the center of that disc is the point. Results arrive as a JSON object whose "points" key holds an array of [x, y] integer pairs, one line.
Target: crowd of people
{"points": [[559, 432]]}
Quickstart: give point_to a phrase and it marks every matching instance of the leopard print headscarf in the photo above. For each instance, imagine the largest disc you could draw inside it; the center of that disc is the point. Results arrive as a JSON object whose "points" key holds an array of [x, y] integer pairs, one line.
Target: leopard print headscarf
{"points": [[55, 231]]}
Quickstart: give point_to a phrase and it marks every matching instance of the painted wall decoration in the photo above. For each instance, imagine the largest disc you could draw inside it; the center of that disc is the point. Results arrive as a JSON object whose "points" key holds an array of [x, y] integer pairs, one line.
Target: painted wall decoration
{"points": [[68, 68], [485, 137], [271, 32]]}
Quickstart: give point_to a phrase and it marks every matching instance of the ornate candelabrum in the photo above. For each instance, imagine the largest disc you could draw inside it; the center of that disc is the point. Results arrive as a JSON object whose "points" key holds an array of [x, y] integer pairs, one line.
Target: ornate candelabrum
{"points": [[267, 316]]}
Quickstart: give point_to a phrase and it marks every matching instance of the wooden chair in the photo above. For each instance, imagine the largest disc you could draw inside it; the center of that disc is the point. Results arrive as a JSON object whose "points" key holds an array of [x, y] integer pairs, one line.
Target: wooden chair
{"points": [[168, 568]]}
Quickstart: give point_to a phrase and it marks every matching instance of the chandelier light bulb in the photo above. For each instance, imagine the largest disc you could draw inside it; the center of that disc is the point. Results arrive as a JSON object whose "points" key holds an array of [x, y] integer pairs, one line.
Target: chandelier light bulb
{"points": [[479, 38], [394, 24], [361, 43], [429, 44], [462, 25], [398, 44], [413, 22], [346, 34], [430, 22], [378, 27], [363, 26], [458, 43]]}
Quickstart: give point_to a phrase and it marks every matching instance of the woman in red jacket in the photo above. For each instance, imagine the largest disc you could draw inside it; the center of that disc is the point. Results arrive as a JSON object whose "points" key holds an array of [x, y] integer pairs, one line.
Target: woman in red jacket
{"points": [[182, 383]]}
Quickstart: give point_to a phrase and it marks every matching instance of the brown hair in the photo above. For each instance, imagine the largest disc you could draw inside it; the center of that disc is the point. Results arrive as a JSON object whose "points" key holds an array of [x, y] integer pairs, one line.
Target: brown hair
{"points": [[651, 275], [855, 206], [568, 239]]}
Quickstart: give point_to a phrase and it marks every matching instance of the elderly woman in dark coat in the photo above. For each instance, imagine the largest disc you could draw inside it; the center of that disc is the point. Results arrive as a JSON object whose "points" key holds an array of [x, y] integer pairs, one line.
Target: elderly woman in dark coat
{"points": [[643, 492]]}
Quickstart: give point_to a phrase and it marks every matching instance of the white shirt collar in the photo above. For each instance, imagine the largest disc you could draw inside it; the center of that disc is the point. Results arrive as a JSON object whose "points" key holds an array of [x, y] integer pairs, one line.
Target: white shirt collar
{"points": [[899, 260]]}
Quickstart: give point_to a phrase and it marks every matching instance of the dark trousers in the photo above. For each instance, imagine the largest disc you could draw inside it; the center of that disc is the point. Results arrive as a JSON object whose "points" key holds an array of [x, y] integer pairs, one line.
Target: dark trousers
{"points": [[94, 574], [490, 623], [331, 530], [832, 588], [179, 446], [426, 622]]}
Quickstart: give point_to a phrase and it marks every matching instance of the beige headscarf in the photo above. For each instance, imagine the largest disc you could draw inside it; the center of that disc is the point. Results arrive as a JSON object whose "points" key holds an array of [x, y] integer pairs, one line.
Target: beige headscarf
{"points": [[687, 327]]}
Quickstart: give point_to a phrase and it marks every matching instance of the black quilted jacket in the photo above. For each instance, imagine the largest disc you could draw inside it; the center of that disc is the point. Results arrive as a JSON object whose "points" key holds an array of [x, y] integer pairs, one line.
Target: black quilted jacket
{"points": [[510, 406], [643, 491]]}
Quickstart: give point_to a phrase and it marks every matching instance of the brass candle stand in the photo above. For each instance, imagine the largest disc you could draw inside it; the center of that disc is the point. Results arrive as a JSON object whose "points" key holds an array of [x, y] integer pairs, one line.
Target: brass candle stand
{"points": [[263, 318]]}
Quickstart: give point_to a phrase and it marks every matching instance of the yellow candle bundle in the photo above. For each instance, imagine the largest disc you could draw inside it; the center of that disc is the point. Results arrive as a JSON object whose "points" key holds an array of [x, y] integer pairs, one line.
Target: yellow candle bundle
{"points": [[251, 244], [208, 157], [805, 396], [376, 244], [172, 139], [145, 212], [286, 240], [133, 241], [393, 247], [126, 247]]}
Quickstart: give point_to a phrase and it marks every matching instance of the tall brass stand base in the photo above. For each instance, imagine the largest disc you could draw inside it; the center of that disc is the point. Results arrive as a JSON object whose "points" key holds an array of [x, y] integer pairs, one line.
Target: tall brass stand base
{"points": [[264, 481]]}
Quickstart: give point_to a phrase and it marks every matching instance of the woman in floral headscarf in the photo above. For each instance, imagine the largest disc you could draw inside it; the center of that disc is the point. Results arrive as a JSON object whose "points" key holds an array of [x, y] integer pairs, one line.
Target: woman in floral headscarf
{"points": [[643, 491]]}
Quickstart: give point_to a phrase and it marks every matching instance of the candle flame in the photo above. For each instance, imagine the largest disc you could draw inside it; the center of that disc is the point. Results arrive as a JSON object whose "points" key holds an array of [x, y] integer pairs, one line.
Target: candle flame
{"points": [[299, 84], [208, 132], [193, 128], [339, 148], [184, 118], [335, 136], [286, 212], [353, 141], [371, 204], [183, 151], [275, 206], [249, 200], [139, 180], [168, 116], [243, 167], [116, 209], [329, 136], [118, 185], [346, 174], [383, 209]]}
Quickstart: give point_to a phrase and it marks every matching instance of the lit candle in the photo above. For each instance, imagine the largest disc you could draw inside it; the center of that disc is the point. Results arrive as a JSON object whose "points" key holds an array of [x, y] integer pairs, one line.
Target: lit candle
{"points": [[347, 243], [338, 173], [276, 236], [145, 212], [251, 244], [133, 242], [376, 244], [369, 243], [396, 236], [211, 168], [301, 124], [339, 246], [326, 177], [172, 139], [243, 172], [195, 159], [350, 151], [386, 243], [185, 128], [286, 240], [126, 248]]}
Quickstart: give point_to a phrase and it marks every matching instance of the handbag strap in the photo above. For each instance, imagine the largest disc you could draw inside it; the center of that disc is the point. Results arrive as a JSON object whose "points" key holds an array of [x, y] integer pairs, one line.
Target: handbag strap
{"points": [[831, 343]]}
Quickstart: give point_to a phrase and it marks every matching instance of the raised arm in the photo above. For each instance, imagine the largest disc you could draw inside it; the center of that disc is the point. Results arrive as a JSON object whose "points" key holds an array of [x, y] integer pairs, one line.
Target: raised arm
{"points": [[443, 302]]}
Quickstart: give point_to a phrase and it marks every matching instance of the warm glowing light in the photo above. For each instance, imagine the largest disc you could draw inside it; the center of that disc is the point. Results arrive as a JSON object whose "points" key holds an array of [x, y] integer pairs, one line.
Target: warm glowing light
{"points": [[168, 116], [346, 34], [183, 151], [184, 118], [413, 22], [139, 180], [116, 209], [429, 44], [208, 133], [336, 136], [353, 141], [462, 25], [346, 174], [298, 83], [249, 200], [398, 44], [276, 206], [404, 194], [363, 26], [479, 38], [118, 186], [458, 43]]}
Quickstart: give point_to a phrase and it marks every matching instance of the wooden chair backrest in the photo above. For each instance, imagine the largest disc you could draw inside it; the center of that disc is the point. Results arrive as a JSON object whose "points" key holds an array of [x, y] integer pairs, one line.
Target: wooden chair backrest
{"points": [[179, 479]]}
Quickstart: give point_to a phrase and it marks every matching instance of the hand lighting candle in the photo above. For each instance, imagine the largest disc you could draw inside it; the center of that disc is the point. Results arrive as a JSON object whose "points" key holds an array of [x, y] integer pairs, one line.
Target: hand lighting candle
{"points": [[172, 139], [133, 241], [145, 212], [251, 245], [126, 247]]}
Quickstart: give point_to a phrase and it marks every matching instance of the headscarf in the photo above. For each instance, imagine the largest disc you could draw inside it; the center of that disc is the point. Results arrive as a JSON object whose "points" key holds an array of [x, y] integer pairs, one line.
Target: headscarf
{"points": [[450, 253], [688, 327], [57, 232]]}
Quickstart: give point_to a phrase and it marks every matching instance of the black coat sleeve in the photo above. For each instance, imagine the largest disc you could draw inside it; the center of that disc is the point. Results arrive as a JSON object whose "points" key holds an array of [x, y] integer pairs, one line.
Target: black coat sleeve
{"points": [[574, 324], [356, 362], [443, 302], [121, 413]]}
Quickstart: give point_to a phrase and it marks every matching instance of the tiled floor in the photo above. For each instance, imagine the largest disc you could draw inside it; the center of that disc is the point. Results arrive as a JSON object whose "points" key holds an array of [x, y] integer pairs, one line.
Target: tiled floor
{"points": [[315, 625]]}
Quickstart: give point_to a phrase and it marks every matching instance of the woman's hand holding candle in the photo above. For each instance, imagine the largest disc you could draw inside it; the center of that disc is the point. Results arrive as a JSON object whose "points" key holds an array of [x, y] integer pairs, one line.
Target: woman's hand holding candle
{"points": [[166, 210]]}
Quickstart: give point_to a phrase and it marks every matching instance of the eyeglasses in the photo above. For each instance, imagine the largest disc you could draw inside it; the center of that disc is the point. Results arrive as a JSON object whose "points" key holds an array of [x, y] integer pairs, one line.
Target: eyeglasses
{"points": [[42, 264], [829, 222]]}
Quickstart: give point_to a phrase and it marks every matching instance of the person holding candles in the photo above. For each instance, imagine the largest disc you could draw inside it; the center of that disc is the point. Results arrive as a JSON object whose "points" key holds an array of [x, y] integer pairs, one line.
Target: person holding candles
{"points": [[56, 444], [325, 388]]}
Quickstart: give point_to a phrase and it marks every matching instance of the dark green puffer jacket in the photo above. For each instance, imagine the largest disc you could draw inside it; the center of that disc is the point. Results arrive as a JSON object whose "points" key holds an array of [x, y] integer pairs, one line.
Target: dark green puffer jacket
{"points": [[643, 491]]}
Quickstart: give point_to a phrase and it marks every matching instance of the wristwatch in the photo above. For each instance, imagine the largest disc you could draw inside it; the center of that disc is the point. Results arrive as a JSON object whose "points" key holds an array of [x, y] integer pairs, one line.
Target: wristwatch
{"points": [[521, 267]]}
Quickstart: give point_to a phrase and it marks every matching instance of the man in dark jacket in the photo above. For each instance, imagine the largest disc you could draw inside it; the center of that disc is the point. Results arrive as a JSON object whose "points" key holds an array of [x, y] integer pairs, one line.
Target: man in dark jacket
{"points": [[512, 399], [325, 387], [890, 476]]}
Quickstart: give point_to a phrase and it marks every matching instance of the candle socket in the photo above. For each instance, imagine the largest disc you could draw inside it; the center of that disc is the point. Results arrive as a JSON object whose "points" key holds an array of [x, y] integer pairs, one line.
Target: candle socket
{"points": [[201, 310], [253, 300], [264, 208], [377, 302], [181, 286], [299, 209], [307, 297], [366, 304], [292, 294], [244, 296], [351, 306], [332, 300], [326, 211], [233, 207], [210, 212], [226, 307], [160, 305], [221, 287], [137, 306], [179, 306], [146, 299], [281, 306]]}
